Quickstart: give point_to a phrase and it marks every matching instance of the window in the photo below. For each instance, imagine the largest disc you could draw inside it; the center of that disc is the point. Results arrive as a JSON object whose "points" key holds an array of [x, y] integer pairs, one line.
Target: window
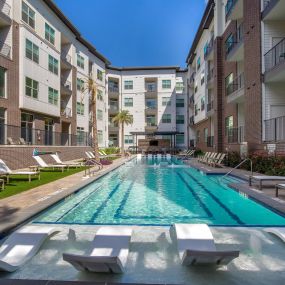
{"points": [[196, 109], [150, 86], [80, 108], [229, 84], [198, 63], [202, 78], [205, 49], [179, 86], [179, 119], [180, 139], [166, 101], [100, 95], [32, 88], [28, 15], [198, 136], [229, 43], [80, 61], [151, 103], [100, 136], [196, 88], [166, 84], [2, 82], [179, 102], [80, 84], [113, 86], [32, 51], [27, 128], [128, 84], [166, 119], [202, 104], [229, 125], [205, 135], [53, 64], [49, 33], [128, 102], [129, 139], [99, 74], [151, 120], [80, 134], [52, 96], [99, 115]]}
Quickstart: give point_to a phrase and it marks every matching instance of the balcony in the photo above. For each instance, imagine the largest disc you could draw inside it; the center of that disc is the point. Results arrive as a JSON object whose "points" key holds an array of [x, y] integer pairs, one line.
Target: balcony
{"points": [[150, 90], [235, 45], [210, 141], [210, 109], [235, 90], [5, 49], [234, 10], [209, 53], [191, 101], [66, 87], [113, 108], [191, 121], [274, 61], [210, 78], [66, 113], [274, 130], [113, 127], [151, 110], [150, 126], [65, 62], [113, 92], [235, 135], [273, 10], [192, 80], [5, 13]]}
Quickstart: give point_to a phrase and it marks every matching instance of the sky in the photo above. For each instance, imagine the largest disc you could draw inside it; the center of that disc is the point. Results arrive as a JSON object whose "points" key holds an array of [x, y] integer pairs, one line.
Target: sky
{"points": [[137, 32]]}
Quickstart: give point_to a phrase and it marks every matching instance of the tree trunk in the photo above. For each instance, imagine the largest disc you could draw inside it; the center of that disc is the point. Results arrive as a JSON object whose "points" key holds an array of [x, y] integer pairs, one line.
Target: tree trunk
{"points": [[122, 141], [94, 127]]}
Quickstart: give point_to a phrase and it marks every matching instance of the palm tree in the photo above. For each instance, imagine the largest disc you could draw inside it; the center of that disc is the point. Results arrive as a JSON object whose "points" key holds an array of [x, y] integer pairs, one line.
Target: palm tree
{"points": [[90, 86], [123, 118]]}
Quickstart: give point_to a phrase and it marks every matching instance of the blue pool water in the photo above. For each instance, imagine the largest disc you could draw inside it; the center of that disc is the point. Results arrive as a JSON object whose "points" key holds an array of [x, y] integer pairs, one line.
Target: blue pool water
{"points": [[140, 193]]}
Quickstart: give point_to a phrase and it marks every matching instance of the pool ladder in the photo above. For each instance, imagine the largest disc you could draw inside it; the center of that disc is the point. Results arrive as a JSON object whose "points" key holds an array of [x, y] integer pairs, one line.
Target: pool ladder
{"points": [[240, 164]]}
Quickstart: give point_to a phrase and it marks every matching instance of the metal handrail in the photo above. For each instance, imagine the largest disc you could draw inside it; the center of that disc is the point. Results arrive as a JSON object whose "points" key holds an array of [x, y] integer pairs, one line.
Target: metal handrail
{"points": [[241, 163]]}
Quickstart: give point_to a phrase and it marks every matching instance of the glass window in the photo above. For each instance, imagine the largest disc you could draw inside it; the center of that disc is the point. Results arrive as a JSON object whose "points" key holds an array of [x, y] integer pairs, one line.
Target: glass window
{"points": [[151, 120], [129, 139], [166, 101], [196, 109], [150, 86], [99, 74], [100, 136], [229, 124], [99, 115], [52, 96], [180, 139], [49, 33], [32, 51], [229, 43], [53, 64], [80, 61], [128, 84], [179, 86], [166, 84], [32, 88], [205, 135], [2, 82], [80, 84], [229, 84], [100, 95], [151, 103], [202, 103], [179, 102], [28, 15], [198, 63], [113, 86], [202, 78], [179, 119], [80, 108], [80, 134], [166, 119], [128, 102]]}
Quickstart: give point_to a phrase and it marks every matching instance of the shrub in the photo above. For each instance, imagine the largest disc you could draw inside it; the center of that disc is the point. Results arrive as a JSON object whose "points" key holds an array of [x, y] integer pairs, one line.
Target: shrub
{"points": [[112, 150]]}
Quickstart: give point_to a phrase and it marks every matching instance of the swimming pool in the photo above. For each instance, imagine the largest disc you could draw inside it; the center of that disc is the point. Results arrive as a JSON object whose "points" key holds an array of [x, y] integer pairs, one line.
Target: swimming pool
{"points": [[147, 193]]}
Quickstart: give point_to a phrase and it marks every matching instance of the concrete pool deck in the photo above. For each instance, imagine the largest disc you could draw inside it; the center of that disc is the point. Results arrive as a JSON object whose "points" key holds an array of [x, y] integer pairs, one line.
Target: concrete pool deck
{"points": [[17, 209], [153, 259]]}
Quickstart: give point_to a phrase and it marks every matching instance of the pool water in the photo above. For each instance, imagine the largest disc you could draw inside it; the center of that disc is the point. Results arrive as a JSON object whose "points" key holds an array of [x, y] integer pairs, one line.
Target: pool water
{"points": [[143, 192]]}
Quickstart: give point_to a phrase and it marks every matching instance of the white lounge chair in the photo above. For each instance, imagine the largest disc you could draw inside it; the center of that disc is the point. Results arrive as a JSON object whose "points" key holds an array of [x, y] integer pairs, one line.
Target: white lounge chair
{"points": [[279, 232], [264, 178], [22, 245], [195, 244], [59, 161], [43, 164], [4, 169], [108, 252]]}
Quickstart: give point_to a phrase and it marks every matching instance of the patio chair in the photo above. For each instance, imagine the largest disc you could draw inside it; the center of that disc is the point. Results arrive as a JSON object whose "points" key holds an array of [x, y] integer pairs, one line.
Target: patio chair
{"points": [[279, 232], [196, 246], [22, 141], [43, 164], [22, 245], [4, 169], [201, 157], [108, 252], [207, 158], [218, 161], [262, 178], [11, 141], [59, 161]]}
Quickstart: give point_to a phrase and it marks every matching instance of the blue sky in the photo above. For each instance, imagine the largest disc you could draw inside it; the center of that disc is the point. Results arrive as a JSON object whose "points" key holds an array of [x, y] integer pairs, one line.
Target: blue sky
{"points": [[137, 32]]}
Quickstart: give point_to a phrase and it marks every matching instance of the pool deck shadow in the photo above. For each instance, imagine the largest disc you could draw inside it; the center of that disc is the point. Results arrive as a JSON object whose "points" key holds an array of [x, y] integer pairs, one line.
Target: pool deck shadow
{"points": [[21, 207]]}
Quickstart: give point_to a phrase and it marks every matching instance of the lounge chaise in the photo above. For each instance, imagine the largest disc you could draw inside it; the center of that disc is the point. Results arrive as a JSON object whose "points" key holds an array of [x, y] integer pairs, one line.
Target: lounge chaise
{"points": [[59, 161], [22, 245], [195, 245], [108, 252], [43, 164], [264, 178], [279, 232], [4, 169]]}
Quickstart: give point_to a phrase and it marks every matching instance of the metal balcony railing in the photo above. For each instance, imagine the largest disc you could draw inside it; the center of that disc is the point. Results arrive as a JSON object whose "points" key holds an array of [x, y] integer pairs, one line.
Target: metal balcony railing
{"points": [[235, 135], [5, 49], [237, 84], [275, 56], [66, 84], [235, 39], [114, 107], [5, 8], [66, 112], [113, 89], [274, 129]]}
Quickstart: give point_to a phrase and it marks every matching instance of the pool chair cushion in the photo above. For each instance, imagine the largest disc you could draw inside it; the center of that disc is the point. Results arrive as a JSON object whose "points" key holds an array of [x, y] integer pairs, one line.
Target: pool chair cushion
{"points": [[108, 252], [279, 232], [22, 245]]}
